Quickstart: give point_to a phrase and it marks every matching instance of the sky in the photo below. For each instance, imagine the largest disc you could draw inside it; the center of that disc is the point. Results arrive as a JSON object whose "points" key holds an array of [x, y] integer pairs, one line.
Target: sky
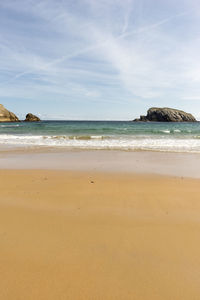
{"points": [[99, 59]]}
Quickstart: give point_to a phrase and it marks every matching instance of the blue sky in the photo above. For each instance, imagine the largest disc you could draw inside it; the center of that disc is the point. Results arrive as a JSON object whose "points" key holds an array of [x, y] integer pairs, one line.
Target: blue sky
{"points": [[99, 59]]}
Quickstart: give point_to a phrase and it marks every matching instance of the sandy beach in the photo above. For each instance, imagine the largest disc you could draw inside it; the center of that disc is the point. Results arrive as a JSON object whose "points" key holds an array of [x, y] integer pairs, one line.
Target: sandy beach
{"points": [[98, 235], [99, 150]]}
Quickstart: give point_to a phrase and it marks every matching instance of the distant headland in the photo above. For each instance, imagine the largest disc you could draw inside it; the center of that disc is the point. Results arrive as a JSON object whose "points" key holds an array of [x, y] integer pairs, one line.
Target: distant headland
{"points": [[165, 114]]}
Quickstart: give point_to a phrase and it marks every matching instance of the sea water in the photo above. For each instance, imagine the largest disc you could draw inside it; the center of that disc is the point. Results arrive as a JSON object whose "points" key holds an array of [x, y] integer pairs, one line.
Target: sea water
{"points": [[116, 135]]}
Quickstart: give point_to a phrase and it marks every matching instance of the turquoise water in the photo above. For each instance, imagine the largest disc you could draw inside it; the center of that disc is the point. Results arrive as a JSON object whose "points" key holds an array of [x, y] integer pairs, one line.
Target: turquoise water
{"points": [[121, 135]]}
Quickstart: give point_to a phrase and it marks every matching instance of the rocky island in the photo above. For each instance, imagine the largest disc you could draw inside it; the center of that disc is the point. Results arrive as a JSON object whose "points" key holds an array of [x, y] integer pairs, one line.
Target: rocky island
{"points": [[165, 114], [7, 116], [31, 118]]}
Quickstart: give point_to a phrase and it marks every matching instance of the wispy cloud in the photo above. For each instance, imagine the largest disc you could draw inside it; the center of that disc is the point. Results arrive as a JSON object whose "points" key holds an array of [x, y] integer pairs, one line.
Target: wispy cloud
{"points": [[114, 52]]}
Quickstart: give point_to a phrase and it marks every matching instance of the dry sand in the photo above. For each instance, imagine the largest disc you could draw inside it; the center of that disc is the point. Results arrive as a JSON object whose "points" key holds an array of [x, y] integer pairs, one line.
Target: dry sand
{"points": [[86, 235]]}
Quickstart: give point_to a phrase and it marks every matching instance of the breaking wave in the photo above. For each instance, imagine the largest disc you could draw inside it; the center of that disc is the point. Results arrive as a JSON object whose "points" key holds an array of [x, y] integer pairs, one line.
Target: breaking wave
{"points": [[128, 143]]}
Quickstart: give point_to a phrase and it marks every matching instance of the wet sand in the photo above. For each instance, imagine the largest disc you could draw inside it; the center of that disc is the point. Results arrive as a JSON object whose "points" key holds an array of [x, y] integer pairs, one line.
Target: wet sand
{"points": [[143, 162], [98, 235]]}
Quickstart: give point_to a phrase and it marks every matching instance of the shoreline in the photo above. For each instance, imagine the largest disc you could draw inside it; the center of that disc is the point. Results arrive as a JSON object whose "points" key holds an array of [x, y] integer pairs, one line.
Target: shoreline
{"points": [[104, 161]]}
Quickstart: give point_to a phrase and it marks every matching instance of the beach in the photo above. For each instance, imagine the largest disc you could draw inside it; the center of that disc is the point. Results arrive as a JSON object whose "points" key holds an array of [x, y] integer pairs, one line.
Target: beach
{"points": [[99, 229], [99, 150]]}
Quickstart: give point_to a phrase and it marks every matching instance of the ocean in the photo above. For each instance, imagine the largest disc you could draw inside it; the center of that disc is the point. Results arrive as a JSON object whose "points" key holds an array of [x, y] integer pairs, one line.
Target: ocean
{"points": [[110, 135]]}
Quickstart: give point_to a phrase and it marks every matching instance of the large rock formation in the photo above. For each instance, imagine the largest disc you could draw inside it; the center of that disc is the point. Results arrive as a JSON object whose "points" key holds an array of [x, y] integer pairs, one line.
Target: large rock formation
{"points": [[6, 115], [165, 114], [31, 118]]}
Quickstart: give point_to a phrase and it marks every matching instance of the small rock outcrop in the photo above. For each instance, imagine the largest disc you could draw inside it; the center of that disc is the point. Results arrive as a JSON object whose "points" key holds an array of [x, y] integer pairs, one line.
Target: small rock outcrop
{"points": [[165, 114], [6, 115], [31, 118]]}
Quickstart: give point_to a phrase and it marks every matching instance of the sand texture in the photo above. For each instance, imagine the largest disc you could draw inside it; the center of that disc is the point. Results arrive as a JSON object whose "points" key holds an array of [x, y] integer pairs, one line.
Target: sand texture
{"points": [[83, 235]]}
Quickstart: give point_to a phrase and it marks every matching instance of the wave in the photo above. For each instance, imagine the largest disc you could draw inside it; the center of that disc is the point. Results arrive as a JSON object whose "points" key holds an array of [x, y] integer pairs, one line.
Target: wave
{"points": [[9, 126], [174, 131], [75, 137], [165, 131], [103, 142]]}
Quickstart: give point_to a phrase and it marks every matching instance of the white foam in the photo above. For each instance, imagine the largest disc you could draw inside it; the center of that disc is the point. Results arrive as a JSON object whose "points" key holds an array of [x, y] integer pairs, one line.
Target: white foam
{"points": [[97, 137], [8, 126], [99, 142], [165, 131]]}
